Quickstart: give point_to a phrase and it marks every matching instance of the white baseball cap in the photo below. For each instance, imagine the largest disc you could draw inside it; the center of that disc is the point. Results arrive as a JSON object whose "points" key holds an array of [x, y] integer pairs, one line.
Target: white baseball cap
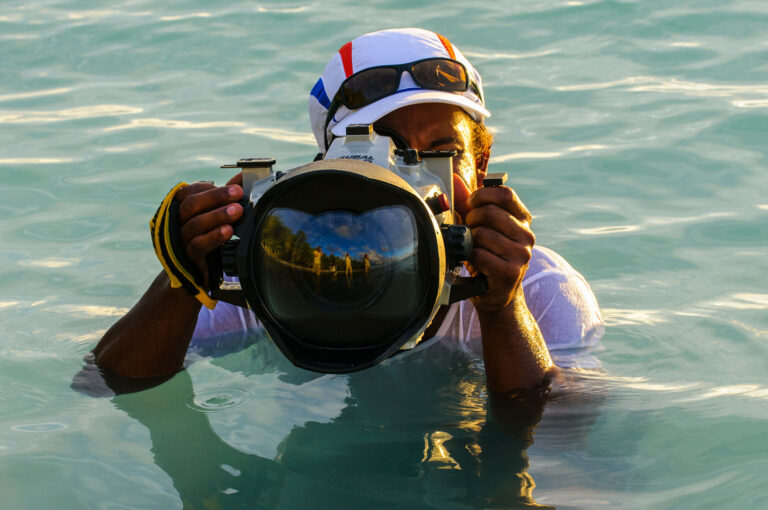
{"points": [[382, 48]]}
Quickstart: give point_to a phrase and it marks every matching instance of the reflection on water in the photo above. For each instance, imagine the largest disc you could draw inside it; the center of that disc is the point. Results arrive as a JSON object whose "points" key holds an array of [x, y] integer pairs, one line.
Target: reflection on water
{"points": [[445, 445]]}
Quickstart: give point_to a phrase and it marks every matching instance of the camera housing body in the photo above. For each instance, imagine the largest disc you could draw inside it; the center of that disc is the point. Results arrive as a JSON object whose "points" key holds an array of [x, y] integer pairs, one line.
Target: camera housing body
{"points": [[385, 258]]}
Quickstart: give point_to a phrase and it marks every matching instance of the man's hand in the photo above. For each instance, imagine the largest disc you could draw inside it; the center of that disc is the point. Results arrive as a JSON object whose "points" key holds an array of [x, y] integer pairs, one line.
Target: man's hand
{"points": [[503, 242], [206, 214], [514, 351], [151, 340]]}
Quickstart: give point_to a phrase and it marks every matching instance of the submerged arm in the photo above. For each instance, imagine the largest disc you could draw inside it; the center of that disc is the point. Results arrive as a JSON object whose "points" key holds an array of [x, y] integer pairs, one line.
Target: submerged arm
{"points": [[151, 340], [514, 350], [515, 353]]}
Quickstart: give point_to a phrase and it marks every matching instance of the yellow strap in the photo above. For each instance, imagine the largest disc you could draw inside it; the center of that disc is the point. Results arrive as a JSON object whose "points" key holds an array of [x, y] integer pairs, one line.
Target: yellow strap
{"points": [[161, 213], [201, 295], [161, 223]]}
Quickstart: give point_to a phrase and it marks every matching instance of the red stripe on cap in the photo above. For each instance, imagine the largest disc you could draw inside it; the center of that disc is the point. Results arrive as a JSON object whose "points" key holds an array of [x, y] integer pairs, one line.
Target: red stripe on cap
{"points": [[448, 46], [346, 58]]}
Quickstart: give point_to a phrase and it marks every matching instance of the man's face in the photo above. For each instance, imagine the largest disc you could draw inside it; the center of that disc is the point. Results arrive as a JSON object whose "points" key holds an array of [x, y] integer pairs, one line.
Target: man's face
{"points": [[436, 126]]}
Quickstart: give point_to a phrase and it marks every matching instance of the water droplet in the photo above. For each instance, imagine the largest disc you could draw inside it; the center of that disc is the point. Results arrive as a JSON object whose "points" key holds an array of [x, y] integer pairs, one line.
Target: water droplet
{"points": [[216, 400]]}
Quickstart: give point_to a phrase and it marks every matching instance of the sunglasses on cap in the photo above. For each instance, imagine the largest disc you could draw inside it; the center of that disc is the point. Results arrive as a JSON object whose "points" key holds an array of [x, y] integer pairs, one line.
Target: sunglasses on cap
{"points": [[370, 85]]}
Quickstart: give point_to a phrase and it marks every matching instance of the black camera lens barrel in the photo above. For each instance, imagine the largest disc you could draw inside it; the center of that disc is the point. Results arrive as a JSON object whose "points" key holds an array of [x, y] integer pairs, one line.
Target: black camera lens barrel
{"points": [[335, 341]]}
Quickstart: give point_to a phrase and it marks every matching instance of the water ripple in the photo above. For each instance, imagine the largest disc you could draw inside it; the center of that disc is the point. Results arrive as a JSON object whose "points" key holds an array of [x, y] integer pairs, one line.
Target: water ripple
{"points": [[37, 93], [289, 10], [91, 310], [35, 161], [282, 135], [525, 155], [587, 148], [80, 112], [50, 263], [105, 13], [67, 231], [216, 400], [8, 304], [172, 124], [633, 317], [40, 427], [510, 56], [654, 221], [635, 131], [743, 301], [689, 88], [186, 16], [683, 391]]}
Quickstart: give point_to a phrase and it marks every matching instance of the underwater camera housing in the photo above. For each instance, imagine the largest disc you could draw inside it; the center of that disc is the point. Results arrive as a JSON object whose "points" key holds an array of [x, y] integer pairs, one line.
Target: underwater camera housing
{"points": [[346, 260]]}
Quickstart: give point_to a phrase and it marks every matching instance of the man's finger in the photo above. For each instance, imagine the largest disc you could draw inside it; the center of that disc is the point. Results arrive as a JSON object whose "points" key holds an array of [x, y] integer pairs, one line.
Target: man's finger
{"points": [[500, 273], [460, 196], [494, 217], [202, 245], [500, 245], [237, 179], [198, 203], [195, 187], [501, 196], [203, 223]]}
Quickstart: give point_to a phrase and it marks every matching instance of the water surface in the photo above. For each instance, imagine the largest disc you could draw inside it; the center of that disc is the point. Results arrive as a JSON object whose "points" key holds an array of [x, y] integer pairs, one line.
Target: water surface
{"points": [[634, 130]]}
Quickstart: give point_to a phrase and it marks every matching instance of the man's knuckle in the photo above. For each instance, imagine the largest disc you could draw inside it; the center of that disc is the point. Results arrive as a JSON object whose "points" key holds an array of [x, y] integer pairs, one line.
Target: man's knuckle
{"points": [[527, 216], [188, 206], [196, 247], [526, 255], [479, 235], [194, 226], [527, 237], [186, 234], [521, 255]]}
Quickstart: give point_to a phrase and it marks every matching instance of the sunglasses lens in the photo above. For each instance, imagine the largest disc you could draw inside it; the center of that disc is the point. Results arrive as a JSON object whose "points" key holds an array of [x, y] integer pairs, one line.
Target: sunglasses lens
{"points": [[438, 74], [369, 86]]}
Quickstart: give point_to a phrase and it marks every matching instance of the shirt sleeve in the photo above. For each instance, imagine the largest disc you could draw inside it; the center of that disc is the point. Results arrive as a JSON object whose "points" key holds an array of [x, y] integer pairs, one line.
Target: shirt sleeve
{"points": [[565, 308], [226, 328], [563, 305]]}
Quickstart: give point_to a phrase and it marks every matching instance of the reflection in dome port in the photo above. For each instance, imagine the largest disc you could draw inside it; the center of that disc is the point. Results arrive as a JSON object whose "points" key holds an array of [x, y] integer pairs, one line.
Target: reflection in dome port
{"points": [[354, 275]]}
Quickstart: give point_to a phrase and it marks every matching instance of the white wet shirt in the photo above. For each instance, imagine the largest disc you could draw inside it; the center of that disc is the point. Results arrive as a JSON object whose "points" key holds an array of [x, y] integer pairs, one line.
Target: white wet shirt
{"points": [[557, 295]]}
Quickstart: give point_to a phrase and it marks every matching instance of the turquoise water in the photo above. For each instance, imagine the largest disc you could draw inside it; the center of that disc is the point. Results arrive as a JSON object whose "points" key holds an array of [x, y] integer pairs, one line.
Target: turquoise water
{"points": [[637, 133]]}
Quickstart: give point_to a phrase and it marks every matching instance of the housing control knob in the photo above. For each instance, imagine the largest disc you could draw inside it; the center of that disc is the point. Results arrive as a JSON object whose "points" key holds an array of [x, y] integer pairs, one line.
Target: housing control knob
{"points": [[458, 243]]}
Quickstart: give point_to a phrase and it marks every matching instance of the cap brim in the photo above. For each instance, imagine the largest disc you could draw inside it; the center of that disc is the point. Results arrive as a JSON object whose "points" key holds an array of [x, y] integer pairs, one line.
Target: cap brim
{"points": [[374, 111]]}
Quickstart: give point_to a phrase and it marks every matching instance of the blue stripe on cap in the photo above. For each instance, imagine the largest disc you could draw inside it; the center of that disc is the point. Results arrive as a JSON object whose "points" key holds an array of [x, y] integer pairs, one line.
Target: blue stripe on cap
{"points": [[318, 92]]}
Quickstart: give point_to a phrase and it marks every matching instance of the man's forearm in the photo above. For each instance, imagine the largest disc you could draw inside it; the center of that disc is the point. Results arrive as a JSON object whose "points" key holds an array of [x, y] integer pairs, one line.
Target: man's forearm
{"points": [[514, 350], [151, 340]]}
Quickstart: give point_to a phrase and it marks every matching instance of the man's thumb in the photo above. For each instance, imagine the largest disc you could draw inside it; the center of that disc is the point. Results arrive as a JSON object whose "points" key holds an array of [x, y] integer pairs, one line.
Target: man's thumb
{"points": [[460, 196]]}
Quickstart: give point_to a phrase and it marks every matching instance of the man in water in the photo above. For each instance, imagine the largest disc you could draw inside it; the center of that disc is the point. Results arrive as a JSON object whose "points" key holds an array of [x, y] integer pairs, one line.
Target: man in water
{"points": [[366, 266], [535, 303], [317, 256], [348, 269]]}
